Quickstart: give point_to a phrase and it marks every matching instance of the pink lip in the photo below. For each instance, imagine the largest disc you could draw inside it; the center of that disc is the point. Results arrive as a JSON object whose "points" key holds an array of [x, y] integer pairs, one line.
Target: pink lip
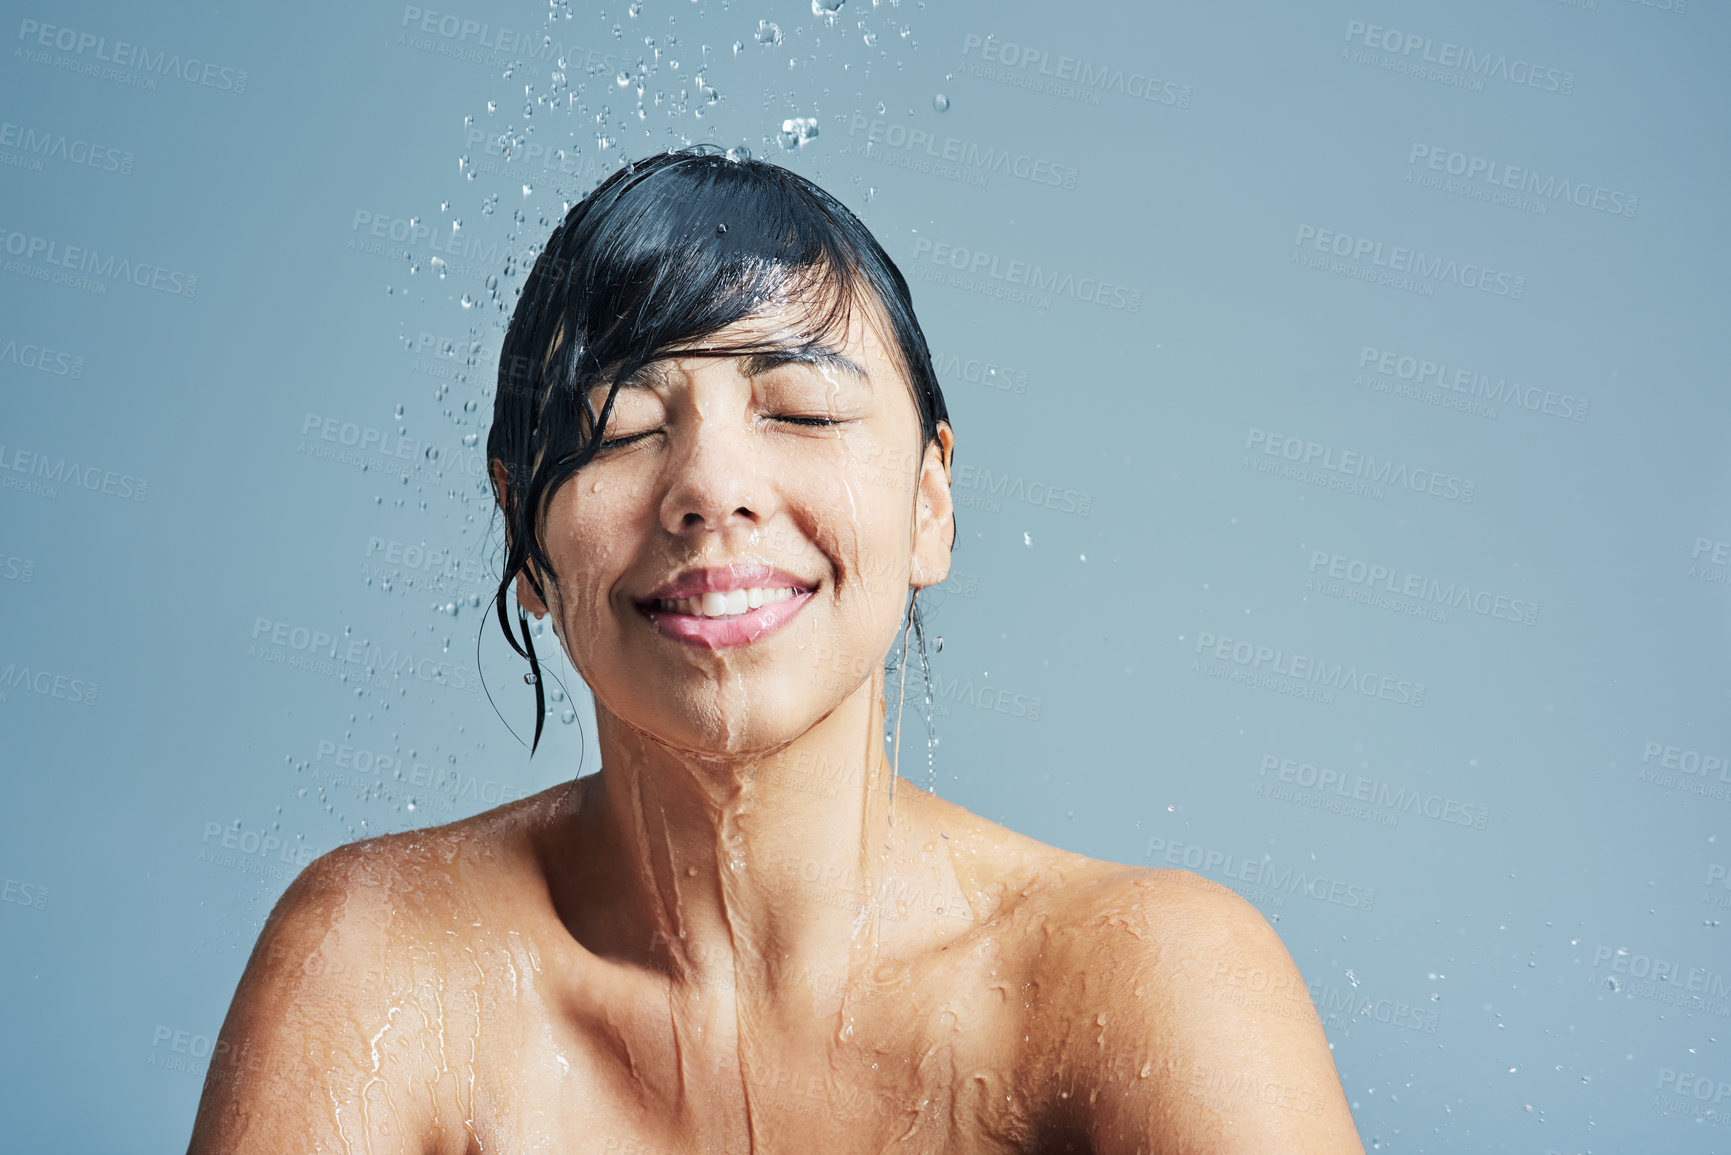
{"points": [[740, 575], [718, 633]]}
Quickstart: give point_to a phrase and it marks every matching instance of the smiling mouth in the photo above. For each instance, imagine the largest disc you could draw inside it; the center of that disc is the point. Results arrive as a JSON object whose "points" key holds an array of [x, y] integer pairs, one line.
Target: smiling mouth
{"points": [[732, 604], [719, 620]]}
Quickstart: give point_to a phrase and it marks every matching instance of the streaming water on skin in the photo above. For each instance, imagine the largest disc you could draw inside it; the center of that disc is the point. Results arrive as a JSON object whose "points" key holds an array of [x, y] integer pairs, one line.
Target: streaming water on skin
{"points": [[375, 1077]]}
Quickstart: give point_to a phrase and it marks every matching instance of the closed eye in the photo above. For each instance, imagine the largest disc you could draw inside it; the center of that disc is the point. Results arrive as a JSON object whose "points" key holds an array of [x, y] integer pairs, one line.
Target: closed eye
{"points": [[807, 422], [618, 442]]}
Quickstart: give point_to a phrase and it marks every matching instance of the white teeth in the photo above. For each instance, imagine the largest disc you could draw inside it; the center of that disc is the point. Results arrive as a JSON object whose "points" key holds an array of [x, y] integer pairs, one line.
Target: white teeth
{"points": [[725, 605]]}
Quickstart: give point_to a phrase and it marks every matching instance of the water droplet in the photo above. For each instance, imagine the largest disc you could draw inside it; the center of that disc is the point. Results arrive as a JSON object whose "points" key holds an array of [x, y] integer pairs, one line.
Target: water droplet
{"points": [[720, 229], [529, 679], [940, 643], [941, 102], [797, 131], [768, 33], [825, 7]]}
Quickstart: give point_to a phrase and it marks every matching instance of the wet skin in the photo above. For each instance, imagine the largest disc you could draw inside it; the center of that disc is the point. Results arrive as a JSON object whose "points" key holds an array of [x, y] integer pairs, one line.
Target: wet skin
{"points": [[746, 933]]}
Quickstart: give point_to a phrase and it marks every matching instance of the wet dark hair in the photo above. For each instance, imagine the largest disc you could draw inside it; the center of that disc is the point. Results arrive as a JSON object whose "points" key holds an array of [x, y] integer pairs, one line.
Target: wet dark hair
{"points": [[666, 252]]}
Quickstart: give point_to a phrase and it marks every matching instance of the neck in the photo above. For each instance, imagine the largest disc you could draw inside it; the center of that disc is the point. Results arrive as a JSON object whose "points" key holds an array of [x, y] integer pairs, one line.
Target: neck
{"points": [[758, 872]]}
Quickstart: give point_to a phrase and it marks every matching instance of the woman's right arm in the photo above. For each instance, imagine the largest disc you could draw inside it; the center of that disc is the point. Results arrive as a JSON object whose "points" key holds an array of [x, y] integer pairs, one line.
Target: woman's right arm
{"points": [[321, 1049]]}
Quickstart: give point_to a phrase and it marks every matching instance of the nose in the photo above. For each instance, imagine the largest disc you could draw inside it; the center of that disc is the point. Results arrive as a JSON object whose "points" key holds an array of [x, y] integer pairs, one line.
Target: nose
{"points": [[716, 481]]}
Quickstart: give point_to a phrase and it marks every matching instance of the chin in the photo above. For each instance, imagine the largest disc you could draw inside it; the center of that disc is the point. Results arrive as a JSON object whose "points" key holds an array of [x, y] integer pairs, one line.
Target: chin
{"points": [[744, 715]]}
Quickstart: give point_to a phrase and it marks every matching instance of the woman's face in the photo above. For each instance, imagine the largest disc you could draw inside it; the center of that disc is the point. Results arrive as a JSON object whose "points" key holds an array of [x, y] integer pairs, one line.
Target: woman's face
{"points": [[735, 561]]}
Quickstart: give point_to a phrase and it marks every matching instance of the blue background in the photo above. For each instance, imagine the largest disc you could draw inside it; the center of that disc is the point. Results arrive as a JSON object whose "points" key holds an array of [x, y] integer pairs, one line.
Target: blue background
{"points": [[245, 540]]}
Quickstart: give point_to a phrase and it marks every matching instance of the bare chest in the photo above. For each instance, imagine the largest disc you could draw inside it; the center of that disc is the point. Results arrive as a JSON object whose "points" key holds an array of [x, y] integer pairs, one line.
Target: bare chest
{"points": [[925, 1064]]}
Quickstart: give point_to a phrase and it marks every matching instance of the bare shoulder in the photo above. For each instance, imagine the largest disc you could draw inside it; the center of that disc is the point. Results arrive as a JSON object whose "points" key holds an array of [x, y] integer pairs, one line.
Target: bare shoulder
{"points": [[294, 1046], [1180, 1010], [1170, 908], [344, 994]]}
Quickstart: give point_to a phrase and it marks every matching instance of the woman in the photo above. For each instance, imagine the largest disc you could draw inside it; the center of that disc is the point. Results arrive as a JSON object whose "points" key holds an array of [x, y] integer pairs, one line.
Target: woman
{"points": [[723, 461]]}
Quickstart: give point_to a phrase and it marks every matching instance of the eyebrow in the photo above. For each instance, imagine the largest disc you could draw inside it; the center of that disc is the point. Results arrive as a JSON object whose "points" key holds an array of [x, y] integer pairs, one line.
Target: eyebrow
{"points": [[757, 364]]}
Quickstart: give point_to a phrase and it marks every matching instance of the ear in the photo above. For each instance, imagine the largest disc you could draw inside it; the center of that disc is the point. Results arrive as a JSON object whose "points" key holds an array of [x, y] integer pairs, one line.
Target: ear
{"points": [[934, 513], [526, 595]]}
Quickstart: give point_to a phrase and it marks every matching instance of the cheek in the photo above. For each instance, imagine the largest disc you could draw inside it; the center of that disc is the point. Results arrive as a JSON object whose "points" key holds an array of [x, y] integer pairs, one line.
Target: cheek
{"points": [[591, 541], [866, 512]]}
